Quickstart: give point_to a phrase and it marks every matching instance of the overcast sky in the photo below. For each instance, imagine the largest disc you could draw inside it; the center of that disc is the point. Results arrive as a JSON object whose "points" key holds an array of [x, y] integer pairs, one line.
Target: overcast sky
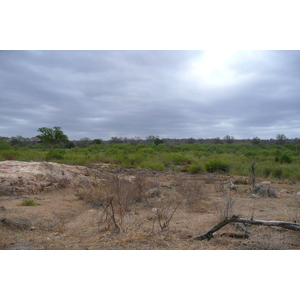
{"points": [[172, 94]]}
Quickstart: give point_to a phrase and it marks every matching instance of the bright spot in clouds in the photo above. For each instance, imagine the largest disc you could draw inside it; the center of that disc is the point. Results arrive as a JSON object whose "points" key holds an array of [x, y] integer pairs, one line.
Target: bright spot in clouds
{"points": [[213, 67]]}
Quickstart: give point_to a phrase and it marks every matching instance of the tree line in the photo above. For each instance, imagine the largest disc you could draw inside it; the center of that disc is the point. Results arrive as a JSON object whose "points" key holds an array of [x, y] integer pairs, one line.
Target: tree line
{"points": [[55, 136]]}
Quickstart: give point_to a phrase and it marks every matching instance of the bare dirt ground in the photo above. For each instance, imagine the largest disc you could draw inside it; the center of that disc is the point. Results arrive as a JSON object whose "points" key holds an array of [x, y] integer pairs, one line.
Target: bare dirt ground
{"points": [[156, 210]]}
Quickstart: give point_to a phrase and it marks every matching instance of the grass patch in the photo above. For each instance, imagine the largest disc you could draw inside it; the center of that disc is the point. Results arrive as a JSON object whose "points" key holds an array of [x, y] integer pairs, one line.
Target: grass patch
{"points": [[28, 202]]}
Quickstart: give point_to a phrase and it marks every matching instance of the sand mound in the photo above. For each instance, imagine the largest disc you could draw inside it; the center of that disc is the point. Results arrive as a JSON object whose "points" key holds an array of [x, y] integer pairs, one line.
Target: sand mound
{"points": [[18, 177]]}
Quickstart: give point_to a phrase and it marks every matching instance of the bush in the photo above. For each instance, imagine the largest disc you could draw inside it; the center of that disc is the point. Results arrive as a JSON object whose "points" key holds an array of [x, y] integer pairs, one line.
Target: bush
{"points": [[28, 202], [284, 158], [55, 154], [4, 145], [267, 171], [217, 166], [194, 169], [277, 172]]}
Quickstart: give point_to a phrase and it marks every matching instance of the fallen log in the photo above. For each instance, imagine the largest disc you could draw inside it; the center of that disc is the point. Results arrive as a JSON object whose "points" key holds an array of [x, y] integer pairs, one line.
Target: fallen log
{"points": [[236, 235], [237, 219]]}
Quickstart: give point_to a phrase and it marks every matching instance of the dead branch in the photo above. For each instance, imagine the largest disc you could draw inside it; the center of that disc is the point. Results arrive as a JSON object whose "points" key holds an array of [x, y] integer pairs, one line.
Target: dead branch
{"points": [[166, 223], [237, 219]]}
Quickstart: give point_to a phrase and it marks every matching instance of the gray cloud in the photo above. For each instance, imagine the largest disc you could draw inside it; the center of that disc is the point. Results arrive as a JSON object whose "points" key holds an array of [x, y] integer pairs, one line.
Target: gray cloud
{"points": [[100, 94]]}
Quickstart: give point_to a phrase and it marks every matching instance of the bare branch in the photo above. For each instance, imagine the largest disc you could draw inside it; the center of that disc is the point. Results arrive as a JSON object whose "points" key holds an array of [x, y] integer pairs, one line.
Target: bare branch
{"points": [[237, 219]]}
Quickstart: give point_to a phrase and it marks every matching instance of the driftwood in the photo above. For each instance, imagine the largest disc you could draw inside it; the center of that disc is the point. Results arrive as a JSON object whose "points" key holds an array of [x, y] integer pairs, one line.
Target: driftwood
{"points": [[237, 219]]}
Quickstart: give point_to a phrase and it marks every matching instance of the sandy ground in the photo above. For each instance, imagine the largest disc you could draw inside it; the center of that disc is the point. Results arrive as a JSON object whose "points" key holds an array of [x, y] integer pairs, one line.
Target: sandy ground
{"points": [[67, 218]]}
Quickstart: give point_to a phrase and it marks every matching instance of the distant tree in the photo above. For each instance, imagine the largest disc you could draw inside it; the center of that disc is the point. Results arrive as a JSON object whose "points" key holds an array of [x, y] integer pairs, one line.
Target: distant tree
{"points": [[97, 142], [151, 138], [217, 140], [228, 139], [34, 140], [115, 140], [14, 141], [158, 141], [296, 141], [281, 139], [84, 142], [53, 136], [70, 145], [5, 139], [255, 141], [190, 140], [134, 141]]}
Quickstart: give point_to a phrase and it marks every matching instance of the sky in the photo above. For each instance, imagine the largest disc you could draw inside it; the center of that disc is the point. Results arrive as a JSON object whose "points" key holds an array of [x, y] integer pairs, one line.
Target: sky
{"points": [[168, 93]]}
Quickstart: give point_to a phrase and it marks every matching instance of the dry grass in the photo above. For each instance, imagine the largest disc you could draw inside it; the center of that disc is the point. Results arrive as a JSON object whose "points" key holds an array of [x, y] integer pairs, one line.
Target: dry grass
{"points": [[123, 214]]}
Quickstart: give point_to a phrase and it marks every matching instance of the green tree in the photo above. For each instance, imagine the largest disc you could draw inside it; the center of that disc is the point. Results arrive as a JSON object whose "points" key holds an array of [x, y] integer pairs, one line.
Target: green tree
{"points": [[53, 136], [158, 141], [97, 142]]}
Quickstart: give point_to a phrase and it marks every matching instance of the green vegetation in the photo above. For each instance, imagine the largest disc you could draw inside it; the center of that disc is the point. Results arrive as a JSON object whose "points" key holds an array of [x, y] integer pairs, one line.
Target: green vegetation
{"points": [[53, 136], [28, 202], [272, 161]]}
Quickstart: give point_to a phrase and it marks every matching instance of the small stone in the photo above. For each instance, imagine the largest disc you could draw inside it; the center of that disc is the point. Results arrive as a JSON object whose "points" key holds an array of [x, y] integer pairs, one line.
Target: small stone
{"points": [[272, 193]]}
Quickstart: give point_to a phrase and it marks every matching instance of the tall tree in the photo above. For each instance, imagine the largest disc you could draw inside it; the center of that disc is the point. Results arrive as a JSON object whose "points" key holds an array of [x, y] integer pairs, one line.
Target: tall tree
{"points": [[53, 136], [228, 139], [281, 139]]}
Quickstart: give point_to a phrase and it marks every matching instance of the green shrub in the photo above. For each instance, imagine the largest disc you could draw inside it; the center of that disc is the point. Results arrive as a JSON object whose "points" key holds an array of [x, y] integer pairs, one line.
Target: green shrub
{"points": [[194, 169], [267, 171], [55, 154], [217, 166], [28, 202], [4, 145], [284, 158], [277, 172], [250, 153]]}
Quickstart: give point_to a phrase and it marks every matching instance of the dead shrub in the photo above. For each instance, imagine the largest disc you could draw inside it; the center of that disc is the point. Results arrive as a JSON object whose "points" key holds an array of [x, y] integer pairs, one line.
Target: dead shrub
{"points": [[225, 208], [121, 194], [140, 186], [193, 194], [95, 196], [161, 215]]}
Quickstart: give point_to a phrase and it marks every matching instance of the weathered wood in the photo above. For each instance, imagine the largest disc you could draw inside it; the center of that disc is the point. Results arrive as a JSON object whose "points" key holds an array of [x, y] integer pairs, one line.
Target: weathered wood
{"points": [[236, 235], [237, 219], [253, 173]]}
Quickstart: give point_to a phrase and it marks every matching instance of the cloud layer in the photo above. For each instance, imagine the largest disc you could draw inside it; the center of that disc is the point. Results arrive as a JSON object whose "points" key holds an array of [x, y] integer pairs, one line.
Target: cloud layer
{"points": [[174, 94]]}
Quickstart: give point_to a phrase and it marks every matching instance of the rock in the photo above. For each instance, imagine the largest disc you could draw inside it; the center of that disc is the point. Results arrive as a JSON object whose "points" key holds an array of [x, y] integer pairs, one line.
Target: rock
{"points": [[272, 193], [266, 182], [19, 177], [154, 210], [260, 190]]}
